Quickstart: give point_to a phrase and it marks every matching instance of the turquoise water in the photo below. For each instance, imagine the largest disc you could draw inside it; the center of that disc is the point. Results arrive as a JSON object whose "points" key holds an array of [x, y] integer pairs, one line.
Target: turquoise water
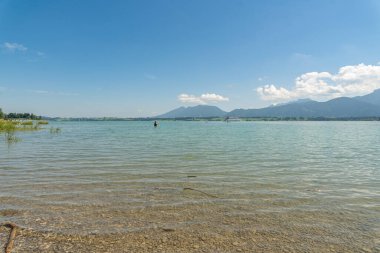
{"points": [[324, 174]]}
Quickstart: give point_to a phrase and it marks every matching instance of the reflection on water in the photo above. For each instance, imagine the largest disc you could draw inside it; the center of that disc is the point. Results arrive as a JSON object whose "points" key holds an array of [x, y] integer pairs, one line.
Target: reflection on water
{"points": [[289, 179]]}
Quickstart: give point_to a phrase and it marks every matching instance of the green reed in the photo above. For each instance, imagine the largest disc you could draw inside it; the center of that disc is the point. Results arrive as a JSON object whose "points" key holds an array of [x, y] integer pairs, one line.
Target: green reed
{"points": [[9, 127], [55, 130]]}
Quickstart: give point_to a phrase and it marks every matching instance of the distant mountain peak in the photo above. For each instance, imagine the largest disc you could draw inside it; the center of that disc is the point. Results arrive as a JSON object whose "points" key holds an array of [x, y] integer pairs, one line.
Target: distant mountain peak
{"points": [[303, 100], [342, 107], [298, 101], [372, 98], [198, 111]]}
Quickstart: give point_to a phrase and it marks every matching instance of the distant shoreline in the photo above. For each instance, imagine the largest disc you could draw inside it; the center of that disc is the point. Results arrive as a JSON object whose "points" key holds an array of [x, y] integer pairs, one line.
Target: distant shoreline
{"points": [[217, 119]]}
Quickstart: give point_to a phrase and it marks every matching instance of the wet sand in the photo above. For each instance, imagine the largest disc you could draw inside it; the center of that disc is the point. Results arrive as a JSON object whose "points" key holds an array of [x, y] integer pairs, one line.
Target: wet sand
{"points": [[211, 226]]}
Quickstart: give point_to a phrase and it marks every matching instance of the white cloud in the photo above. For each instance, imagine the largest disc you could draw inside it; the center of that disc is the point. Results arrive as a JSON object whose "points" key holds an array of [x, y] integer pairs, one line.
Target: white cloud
{"points": [[185, 98], [349, 81], [271, 92], [13, 47], [202, 99]]}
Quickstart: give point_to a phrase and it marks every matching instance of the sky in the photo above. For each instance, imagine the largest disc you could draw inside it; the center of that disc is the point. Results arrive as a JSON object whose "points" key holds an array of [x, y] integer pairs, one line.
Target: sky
{"points": [[124, 58]]}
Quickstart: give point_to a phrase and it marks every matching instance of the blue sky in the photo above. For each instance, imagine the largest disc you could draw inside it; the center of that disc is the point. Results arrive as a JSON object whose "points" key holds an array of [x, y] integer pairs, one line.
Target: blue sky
{"points": [[143, 58]]}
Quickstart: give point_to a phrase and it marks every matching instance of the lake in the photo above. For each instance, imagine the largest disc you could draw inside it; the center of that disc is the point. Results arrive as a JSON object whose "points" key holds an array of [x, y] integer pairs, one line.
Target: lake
{"points": [[264, 186]]}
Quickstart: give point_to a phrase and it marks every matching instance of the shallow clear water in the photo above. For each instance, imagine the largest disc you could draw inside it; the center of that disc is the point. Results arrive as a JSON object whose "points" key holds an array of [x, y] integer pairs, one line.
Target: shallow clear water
{"points": [[290, 174]]}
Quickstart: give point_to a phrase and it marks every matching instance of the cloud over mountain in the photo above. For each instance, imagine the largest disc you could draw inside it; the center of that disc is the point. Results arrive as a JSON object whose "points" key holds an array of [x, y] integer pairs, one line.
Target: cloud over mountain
{"points": [[349, 81], [202, 99]]}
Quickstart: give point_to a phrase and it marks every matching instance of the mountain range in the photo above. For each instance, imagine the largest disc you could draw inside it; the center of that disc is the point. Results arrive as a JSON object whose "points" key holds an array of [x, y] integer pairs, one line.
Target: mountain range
{"points": [[342, 107]]}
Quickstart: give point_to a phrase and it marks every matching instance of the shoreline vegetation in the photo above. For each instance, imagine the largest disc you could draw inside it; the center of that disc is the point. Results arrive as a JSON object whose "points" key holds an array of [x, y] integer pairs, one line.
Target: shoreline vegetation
{"points": [[10, 127], [44, 120], [17, 122], [22, 116]]}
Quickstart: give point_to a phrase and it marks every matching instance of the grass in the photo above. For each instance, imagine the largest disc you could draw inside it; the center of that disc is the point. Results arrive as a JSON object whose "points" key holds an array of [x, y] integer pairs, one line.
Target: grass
{"points": [[26, 123], [11, 138], [18, 125], [9, 127]]}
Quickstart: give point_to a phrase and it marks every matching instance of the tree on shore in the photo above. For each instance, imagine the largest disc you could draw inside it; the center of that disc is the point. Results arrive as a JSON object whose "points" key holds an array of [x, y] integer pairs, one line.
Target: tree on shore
{"points": [[13, 115], [22, 116]]}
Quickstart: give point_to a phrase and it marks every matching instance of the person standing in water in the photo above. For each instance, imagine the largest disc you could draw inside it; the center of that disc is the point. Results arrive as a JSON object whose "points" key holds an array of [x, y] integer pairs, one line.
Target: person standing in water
{"points": [[155, 124]]}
